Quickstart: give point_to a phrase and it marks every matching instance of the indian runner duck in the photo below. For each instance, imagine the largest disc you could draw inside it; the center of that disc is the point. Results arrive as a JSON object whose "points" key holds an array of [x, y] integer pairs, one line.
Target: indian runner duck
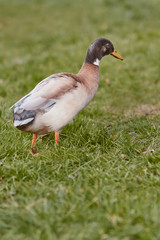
{"points": [[56, 100]]}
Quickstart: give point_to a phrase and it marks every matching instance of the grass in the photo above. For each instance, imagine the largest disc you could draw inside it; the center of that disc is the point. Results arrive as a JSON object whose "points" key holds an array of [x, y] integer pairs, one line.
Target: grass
{"points": [[102, 181]]}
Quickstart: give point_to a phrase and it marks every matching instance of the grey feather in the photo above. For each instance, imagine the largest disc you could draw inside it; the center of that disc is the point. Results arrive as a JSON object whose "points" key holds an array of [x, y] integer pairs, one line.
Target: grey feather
{"points": [[22, 116], [18, 123]]}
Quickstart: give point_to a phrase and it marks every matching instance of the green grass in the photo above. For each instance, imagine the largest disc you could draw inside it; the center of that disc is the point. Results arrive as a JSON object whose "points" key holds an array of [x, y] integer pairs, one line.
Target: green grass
{"points": [[102, 181]]}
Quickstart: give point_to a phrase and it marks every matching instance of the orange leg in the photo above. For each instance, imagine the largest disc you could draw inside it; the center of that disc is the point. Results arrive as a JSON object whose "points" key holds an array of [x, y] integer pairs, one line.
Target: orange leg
{"points": [[33, 143], [56, 137]]}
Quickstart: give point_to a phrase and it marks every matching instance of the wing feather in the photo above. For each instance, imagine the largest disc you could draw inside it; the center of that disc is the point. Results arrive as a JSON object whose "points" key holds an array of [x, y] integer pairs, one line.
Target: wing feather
{"points": [[47, 92]]}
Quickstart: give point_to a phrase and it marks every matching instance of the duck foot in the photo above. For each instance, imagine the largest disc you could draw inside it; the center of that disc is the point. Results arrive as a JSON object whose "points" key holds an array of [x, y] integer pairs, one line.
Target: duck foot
{"points": [[34, 151]]}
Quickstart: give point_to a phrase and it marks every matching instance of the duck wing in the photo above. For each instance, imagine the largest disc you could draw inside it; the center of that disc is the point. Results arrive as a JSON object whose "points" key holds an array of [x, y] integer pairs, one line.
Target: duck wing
{"points": [[43, 97]]}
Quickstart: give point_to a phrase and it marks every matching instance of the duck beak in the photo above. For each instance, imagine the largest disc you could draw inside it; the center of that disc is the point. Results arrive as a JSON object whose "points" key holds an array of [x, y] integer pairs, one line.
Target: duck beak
{"points": [[116, 55]]}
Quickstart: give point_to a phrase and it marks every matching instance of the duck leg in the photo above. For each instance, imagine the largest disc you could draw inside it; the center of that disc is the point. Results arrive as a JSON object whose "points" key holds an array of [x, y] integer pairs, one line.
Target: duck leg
{"points": [[33, 143], [56, 137]]}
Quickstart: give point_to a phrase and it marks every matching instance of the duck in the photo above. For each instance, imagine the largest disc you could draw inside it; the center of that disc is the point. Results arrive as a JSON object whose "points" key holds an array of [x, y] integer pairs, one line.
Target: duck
{"points": [[57, 99]]}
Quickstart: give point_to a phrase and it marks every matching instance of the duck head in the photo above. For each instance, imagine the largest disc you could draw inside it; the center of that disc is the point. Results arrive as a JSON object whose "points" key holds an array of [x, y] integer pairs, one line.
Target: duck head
{"points": [[100, 48]]}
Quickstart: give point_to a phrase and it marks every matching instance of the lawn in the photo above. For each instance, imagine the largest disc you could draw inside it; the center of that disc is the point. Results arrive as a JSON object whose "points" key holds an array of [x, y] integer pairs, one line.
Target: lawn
{"points": [[103, 181]]}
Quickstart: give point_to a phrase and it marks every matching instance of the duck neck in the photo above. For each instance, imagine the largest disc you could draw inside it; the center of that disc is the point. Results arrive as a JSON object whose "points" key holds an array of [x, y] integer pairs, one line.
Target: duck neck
{"points": [[89, 75], [93, 57], [93, 61]]}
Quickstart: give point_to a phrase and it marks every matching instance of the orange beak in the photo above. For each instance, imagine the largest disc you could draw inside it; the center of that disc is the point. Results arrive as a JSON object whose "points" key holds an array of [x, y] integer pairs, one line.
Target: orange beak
{"points": [[116, 55]]}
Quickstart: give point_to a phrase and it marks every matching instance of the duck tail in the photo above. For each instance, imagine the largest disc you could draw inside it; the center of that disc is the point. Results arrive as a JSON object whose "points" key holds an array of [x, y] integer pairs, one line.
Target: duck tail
{"points": [[23, 117]]}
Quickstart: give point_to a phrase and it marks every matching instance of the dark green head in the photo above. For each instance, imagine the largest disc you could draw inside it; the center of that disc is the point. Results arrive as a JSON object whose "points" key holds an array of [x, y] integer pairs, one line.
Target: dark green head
{"points": [[100, 48]]}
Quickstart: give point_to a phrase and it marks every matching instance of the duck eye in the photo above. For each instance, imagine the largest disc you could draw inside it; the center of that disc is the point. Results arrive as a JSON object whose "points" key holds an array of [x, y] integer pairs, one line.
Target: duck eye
{"points": [[104, 49], [107, 45]]}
